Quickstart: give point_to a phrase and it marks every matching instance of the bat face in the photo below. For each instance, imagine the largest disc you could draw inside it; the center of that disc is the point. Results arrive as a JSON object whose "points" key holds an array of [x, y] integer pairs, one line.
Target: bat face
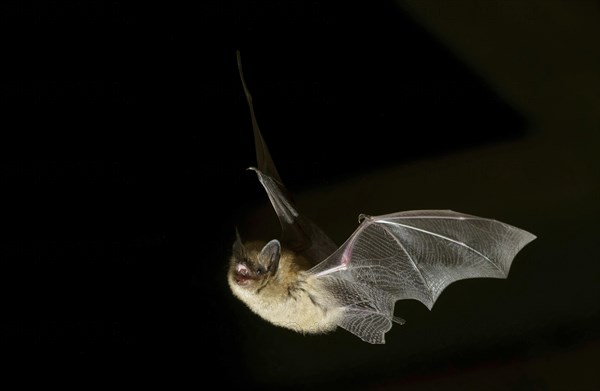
{"points": [[243, 274], [252, 265]]}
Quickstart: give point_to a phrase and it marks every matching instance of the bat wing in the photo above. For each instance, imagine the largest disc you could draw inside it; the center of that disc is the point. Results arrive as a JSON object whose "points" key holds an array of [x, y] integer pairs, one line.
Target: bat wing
{"points": [[298, 232], [412, 255]]}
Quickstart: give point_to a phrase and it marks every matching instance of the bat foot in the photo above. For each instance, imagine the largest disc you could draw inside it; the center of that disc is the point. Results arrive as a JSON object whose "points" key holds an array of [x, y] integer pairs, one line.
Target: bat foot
{"points": [[398, 320]]}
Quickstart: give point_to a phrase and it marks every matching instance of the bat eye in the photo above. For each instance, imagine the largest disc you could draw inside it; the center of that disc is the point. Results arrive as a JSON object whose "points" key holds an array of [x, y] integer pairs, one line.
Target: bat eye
{"points": [[259, 271]]}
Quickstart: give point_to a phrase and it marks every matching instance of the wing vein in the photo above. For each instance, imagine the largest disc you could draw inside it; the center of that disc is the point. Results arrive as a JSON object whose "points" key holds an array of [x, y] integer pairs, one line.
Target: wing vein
{"points": [[395, 216], [445, 238], [429, 291]]}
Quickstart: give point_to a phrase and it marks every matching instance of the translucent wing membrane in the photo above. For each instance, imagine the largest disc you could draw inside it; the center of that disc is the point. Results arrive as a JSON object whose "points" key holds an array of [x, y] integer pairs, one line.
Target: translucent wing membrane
{"points": [[413, 255], [298, 232]]}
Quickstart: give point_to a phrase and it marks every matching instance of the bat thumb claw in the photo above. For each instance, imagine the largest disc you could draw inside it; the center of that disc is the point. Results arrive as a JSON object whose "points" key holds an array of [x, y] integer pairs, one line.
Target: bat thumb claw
{"points": [[362, 217]]}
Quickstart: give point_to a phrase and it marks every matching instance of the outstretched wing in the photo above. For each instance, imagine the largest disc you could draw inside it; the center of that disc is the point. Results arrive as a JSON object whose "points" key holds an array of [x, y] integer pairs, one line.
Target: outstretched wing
{"points": [[413, 255], [298, 232]]}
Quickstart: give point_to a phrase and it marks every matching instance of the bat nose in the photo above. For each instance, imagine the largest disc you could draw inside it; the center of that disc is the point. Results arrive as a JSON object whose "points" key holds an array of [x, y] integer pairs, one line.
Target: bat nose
{"points": [[242, 269]]}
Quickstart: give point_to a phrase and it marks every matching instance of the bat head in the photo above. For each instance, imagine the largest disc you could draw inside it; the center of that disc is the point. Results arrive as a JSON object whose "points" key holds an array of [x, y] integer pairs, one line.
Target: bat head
{"points": [[252, 264]]}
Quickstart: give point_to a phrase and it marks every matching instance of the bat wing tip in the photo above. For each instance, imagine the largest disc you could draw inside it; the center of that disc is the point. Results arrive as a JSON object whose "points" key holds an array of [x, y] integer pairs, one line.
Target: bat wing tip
{"points": [[527, 238]]}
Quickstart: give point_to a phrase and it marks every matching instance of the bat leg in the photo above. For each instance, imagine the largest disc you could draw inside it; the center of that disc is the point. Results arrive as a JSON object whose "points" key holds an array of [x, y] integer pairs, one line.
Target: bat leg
{"points": [[398, 320]]}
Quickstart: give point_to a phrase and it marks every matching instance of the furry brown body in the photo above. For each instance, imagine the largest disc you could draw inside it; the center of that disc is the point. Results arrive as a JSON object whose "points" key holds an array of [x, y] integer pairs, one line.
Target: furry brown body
{"points": [[289, 297]]}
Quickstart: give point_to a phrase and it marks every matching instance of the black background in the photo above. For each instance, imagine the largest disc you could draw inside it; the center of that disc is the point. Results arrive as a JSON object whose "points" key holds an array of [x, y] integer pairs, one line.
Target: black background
{"points": [[125, 143]]}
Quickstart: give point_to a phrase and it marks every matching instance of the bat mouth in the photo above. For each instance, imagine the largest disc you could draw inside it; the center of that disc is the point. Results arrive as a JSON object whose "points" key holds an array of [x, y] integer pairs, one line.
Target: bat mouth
{"points": [[242, 275]]}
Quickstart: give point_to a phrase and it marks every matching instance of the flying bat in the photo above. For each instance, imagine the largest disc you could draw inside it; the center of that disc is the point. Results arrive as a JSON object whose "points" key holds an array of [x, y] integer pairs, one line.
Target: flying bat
{"points": [[304, 282]]}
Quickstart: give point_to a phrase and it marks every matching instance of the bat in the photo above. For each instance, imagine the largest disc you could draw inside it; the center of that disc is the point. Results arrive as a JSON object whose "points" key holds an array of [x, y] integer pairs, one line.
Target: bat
{"points": [[305, 283]]}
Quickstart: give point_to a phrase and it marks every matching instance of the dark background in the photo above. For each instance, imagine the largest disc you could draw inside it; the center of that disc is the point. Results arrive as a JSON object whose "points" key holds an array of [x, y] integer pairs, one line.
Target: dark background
{"points": [[125, 141]]}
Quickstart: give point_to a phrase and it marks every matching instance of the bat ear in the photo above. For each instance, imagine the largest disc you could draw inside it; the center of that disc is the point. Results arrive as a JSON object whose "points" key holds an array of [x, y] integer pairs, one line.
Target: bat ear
{"points": [[239, 251], [270, 254]]}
